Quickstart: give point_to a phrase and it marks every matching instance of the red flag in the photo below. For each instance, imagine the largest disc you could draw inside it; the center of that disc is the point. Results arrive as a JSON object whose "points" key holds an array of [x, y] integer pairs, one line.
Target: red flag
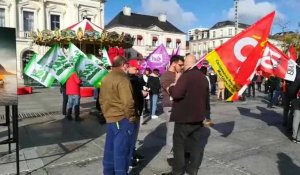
{"points": [[292, 53], [275, 62], [227, 59]]}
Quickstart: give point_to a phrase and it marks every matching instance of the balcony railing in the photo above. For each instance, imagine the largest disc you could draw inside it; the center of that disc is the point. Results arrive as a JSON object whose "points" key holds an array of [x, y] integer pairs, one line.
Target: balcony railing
{"points": [[25, 34]]}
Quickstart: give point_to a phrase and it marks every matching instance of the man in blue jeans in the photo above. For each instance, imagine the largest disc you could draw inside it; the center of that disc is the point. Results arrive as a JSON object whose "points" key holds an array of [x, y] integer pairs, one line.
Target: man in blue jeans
{"points": [[154, 86], [117, 104], [73, 92]]}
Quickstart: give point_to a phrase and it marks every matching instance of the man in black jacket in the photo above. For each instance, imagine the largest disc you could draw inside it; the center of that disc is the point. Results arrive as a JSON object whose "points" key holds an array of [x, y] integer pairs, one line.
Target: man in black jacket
{"points": [[190, 104], [137, 88]]}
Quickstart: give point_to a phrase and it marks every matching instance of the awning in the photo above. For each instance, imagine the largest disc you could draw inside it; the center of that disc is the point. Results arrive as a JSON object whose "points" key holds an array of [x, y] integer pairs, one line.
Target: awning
{"points": [[154, 38], [178, 41], [169, 39], [139, 37]]}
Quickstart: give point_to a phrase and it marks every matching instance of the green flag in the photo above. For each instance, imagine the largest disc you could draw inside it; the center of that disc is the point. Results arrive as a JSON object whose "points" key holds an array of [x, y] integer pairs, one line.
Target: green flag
{"points": [[74, 53], [55, 62], [105, 58], [37, 72], [96, 60], [90, 71]]}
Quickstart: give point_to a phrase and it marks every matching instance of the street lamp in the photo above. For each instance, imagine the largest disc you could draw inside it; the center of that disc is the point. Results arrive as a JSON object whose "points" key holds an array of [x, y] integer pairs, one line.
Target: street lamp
{"points": [[236, 15]]}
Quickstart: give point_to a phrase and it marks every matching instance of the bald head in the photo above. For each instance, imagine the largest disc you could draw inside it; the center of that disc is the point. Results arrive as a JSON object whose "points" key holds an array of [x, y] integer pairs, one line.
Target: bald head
{"points": [[189, 61]]}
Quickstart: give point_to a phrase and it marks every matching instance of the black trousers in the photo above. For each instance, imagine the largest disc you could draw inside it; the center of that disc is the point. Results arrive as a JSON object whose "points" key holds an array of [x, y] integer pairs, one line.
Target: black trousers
{"points": [[251, 86], [65, 102], [187, 138]]}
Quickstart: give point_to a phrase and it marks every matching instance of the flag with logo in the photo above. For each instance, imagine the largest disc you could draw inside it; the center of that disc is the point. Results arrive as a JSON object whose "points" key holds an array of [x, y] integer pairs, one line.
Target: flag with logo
{"points": [[74, 53], [37, 72], [158, 59], [292, 53], [105, 58], [275, 62], [88, 70], [56, 63], [228, 60], [95, 59]]}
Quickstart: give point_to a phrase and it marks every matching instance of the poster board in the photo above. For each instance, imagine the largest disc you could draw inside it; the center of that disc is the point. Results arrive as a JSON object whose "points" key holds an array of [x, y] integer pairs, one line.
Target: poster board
{"points": [[8, 67]]}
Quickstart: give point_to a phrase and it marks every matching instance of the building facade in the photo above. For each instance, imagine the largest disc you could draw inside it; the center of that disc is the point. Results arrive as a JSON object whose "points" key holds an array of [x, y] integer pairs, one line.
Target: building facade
{"points": [[32, 15], [149, 31], [203, 40]]}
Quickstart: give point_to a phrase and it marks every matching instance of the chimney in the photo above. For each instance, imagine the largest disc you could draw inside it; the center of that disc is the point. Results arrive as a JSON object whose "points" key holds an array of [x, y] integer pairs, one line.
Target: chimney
{"points": [[127, 11], [162, 17]]}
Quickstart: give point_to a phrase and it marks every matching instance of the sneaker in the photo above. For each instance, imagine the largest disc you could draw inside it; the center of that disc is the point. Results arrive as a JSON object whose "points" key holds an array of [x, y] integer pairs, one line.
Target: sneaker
{"points": [[68, 117], [134, 164], [138, 157], [154, 116]]}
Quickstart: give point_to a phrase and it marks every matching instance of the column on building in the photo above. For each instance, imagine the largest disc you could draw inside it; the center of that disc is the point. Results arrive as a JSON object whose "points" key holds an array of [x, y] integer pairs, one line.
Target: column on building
{"points": [[13, 14], [42, 16]]}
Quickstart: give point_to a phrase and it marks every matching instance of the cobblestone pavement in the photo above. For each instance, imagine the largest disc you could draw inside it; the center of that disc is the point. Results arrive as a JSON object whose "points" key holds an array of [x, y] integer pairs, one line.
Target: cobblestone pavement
{"points": [[247, 139]]}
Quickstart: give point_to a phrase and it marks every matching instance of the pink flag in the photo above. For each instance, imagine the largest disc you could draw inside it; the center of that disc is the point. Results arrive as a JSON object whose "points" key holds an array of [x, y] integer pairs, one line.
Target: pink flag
{"points": [[158, 59]]}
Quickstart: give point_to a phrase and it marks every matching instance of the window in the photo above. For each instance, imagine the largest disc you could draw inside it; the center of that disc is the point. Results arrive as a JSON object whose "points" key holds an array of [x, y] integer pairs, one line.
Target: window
{"points": [[2, 17], [214, 34], [221, 42], [139, 39], [221, 33], [89, 18], [28, 21], [55, 22], [178, 41], [168, 42], [214, 44], [230, 32], [205, 35], [154, 41]]}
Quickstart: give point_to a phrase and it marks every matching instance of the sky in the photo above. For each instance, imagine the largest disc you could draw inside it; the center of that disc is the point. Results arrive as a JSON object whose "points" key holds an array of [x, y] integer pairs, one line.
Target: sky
{"points": [[8, 58], [188, 14]]}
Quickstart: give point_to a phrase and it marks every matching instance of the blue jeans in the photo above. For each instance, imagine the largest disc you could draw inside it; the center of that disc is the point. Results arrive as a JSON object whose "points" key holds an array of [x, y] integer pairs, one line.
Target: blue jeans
{"points": [[154, 98], [118, 147], [73, 102]]}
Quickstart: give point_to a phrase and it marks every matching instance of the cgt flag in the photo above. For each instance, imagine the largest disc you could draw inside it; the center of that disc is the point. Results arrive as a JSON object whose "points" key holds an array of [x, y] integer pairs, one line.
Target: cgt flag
{"points": [[37, 72], [228, 60], [275, 62], [292, 53]]}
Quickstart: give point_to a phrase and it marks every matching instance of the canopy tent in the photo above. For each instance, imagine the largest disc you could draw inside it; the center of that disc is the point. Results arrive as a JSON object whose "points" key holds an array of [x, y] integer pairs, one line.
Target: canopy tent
{"points": [[83, 32]]}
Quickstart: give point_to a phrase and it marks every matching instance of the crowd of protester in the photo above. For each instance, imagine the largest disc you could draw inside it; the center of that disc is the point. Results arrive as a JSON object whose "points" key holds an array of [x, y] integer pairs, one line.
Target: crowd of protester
{"points": [[126, 94]]}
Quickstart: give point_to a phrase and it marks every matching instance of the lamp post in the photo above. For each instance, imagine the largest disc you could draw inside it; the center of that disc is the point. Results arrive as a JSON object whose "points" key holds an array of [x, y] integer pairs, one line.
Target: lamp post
{"points": [[236, 16]]}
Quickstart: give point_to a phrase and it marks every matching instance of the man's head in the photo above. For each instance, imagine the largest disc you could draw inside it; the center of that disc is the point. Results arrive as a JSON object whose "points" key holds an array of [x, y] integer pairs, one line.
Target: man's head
{"points": [[189, 61], [147, 71], [176, 63], [120, 63], [133, 66], [156, 71]]}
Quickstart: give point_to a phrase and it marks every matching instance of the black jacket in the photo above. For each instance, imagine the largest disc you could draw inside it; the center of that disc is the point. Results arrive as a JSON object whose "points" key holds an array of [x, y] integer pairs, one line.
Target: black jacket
{"points": [[154, 84], [190, 97], [137, 88]]}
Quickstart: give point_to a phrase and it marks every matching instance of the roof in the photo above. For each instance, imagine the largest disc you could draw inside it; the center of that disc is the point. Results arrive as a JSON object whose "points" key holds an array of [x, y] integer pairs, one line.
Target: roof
{"points": [[141, 21], [283, 33], [228, 23]]}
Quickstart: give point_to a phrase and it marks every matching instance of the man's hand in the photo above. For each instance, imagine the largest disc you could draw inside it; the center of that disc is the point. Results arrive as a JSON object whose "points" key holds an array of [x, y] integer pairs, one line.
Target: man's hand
{"points": [[173, 84], [145, 93]]}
